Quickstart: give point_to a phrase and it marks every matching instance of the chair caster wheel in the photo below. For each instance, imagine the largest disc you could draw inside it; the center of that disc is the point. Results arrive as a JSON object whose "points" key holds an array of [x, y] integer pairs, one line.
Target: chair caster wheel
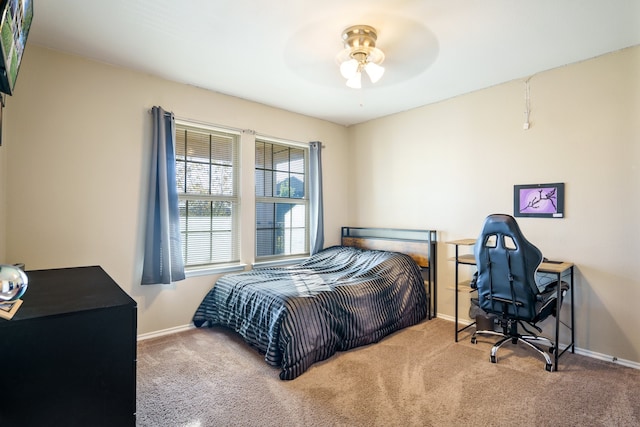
{"points": [[552, 350], [473, 340], [548, 367], [493, 359]]}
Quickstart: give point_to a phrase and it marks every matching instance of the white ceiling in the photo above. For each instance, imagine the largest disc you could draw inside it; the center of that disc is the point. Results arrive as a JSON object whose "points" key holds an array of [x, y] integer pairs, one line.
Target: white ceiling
{"points": [[282, 52]]}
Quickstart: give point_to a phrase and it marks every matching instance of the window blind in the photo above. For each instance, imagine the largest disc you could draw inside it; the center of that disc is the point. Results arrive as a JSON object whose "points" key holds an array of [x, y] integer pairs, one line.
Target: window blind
{"points": [[207, 165]]}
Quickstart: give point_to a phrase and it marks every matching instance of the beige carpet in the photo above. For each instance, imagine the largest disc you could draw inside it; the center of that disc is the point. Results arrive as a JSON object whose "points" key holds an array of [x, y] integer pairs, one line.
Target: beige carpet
{"points": [[415, 377]]}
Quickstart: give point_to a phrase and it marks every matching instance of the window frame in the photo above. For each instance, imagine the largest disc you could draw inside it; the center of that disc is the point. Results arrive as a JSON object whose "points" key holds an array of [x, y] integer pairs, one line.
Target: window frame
{"points": [[304, 201], [234, 261]]}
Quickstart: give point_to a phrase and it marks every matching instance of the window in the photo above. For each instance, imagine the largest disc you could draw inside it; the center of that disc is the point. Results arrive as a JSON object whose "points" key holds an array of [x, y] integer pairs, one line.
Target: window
{"points": [[282, 204], [207, 164]]}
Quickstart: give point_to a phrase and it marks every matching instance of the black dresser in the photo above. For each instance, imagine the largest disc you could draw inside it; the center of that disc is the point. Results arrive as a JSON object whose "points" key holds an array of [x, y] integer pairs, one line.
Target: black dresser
{"points": [[68, 356]]}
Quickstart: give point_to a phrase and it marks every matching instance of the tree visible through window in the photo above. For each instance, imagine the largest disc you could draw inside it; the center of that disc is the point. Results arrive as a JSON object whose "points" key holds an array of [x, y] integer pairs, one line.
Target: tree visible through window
{"points": [[207, 181], [281, 200]]}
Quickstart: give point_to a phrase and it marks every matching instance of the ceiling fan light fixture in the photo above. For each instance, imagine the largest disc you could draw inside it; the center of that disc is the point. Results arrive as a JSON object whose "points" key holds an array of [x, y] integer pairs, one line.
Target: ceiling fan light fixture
{"points": [[360, 53], [374, 71], [355, 82], [349, 68]]}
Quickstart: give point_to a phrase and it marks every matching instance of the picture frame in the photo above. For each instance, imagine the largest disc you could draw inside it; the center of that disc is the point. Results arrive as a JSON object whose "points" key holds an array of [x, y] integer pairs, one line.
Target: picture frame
{"points": [[539, 200]]}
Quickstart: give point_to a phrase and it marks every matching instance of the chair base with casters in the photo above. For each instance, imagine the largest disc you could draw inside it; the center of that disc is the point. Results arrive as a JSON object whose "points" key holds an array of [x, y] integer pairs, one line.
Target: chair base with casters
{"points": [[510, 333]]}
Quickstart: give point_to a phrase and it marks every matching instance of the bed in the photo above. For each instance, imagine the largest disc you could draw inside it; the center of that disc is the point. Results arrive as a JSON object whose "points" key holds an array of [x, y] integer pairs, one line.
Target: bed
{"points": [[376, 282]]}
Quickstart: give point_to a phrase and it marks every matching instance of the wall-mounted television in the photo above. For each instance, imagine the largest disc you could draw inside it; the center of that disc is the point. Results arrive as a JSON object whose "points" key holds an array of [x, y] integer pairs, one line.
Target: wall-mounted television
{"points": [[539, 200], [14, 29]]}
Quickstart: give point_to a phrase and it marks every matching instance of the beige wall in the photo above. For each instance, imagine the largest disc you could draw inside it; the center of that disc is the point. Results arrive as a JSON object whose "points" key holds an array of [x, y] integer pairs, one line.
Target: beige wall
{"points": [[448, 165], [74, 164], [77, 137]]}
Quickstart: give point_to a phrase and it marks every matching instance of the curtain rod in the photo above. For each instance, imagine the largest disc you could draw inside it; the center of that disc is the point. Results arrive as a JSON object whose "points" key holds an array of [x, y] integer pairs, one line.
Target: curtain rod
{"points": [[169, 113], [166, 113], [200, 122]]}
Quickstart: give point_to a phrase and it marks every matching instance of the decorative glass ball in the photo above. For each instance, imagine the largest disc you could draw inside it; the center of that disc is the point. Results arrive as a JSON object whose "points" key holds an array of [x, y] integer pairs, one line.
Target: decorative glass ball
{"points": [[13, 283]]}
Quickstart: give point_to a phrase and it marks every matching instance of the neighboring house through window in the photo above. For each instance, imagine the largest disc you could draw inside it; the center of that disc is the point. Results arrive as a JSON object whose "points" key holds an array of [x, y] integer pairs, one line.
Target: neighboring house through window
{"points": [[282, 202]]}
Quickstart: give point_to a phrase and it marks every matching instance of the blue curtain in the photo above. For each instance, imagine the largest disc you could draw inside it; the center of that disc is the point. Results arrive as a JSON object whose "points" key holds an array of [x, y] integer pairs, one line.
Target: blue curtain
{"points": [[316, 215], [162, 250]]}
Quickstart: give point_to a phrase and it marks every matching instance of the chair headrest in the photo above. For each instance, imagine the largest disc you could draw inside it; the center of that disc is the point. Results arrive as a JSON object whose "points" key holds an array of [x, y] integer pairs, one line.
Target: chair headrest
{"points": [[501, 226]]}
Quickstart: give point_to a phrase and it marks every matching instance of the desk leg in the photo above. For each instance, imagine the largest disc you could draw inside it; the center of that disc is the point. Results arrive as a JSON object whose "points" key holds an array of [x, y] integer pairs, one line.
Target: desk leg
{"points": [[434, 274], [573, 338], [558, 308], [557, 351], [430, 295], [456, 294]]}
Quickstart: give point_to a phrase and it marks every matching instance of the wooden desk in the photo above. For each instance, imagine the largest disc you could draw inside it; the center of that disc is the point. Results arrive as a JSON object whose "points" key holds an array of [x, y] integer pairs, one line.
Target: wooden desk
{"points": [[562, 269]]}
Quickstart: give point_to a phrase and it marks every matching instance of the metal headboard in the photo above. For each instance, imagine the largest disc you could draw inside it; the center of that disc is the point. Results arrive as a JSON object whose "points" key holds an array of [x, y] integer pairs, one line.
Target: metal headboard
{"points": [[421, 245]]}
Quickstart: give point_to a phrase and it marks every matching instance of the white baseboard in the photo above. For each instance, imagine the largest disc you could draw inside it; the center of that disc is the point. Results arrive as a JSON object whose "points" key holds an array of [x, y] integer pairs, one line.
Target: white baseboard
{"points": [[580, 351], [608, 358], [453, 319], [164, 332]]}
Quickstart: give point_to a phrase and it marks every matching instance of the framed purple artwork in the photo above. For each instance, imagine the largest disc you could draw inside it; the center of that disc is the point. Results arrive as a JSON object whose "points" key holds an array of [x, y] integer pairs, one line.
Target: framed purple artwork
{"points": [[539, 200]]}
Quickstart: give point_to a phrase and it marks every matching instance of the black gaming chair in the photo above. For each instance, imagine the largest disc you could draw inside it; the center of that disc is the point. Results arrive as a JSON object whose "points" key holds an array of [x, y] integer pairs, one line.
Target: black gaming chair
{"points": [[506, 284]]}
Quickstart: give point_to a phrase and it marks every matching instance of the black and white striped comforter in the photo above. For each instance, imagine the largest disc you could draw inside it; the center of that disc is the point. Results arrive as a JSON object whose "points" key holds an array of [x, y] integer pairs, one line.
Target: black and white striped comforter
{"points": [[340, 298]]}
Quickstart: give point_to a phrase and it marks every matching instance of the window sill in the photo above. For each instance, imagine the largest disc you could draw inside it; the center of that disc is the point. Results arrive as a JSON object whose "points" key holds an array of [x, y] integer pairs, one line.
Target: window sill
{"points": [[206, 271], [279, 262], [209, 271]]}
